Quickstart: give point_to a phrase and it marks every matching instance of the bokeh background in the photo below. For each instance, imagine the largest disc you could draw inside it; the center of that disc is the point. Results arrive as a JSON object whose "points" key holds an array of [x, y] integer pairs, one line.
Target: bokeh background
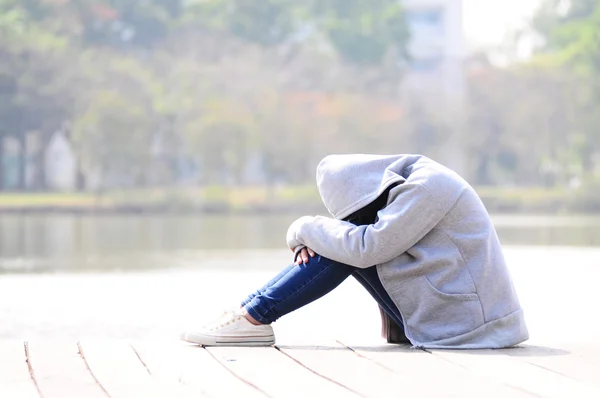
{"points": [[146, 146], [187, 104]]}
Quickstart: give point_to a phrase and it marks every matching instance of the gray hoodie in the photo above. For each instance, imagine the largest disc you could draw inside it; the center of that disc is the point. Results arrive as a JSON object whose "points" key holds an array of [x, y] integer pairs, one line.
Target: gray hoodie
{"points": [[435, 248]]}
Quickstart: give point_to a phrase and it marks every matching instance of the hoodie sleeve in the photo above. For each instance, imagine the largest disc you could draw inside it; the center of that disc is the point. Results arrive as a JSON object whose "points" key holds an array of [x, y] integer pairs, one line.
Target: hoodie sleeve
{"points": [[412, 214]]}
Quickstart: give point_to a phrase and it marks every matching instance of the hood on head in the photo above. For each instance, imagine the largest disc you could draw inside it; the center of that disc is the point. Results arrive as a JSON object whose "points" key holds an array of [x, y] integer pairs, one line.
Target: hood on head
{"points": [[348, 183]]}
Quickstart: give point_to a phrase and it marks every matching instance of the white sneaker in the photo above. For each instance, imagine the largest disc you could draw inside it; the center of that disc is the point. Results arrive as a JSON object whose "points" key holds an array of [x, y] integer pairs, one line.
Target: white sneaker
{"points": [[232, 329]]}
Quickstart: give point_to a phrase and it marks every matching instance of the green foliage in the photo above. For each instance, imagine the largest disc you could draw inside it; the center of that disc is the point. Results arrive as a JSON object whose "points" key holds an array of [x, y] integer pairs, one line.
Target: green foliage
{"points": [[268, 22], [571, 36], [572, 45], [360, 31], [113, 135], [363, 31], [148, 89]]}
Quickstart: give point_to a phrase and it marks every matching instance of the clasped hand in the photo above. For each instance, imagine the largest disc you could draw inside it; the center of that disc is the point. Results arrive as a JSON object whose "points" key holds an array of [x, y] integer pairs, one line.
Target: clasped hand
{"points": [[304, 255]]}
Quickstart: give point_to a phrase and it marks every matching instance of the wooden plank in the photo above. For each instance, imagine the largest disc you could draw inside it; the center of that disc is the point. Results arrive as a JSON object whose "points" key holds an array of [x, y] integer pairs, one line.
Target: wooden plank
{"points": [[276, 374], [342, 365], [61, 372], [15, 379], [432, 376], [495, 365], [165, 366], [566, 363], [194, 368], [118, 369]]}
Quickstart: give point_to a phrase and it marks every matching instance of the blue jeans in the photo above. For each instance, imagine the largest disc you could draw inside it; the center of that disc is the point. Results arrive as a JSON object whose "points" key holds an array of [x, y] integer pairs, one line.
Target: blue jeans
{"points": [[298, 285]]}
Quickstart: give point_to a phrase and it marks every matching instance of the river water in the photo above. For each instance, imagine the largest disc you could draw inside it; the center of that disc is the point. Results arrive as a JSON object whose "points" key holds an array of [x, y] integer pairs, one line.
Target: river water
{"points": [[33, 243], [138, 277]]}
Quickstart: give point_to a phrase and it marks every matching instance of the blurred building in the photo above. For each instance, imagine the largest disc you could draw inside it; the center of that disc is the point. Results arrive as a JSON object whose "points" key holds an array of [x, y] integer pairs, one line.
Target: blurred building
{"points": [[60, 163], [437, 48], [434, 88]]}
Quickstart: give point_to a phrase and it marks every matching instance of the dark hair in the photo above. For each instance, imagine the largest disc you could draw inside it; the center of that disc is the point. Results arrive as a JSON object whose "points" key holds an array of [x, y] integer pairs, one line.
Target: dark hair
{"points": [[368, 214]]}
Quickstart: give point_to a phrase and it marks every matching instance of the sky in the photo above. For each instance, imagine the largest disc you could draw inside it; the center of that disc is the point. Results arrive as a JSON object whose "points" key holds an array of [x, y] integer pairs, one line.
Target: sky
{"points": [[487, 22]]}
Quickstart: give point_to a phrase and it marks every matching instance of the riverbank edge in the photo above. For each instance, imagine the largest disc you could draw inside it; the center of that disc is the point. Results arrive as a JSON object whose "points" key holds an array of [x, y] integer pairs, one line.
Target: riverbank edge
{"points": [[269, 200]]}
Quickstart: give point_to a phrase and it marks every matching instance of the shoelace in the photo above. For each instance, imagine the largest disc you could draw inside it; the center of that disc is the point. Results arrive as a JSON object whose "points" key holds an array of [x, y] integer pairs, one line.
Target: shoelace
{"points": [[217, 320], [231, 317]]}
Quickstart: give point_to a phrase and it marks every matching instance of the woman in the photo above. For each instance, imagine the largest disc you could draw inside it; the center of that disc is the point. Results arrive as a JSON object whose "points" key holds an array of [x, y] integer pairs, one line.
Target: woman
{"points": [[415, 235]]}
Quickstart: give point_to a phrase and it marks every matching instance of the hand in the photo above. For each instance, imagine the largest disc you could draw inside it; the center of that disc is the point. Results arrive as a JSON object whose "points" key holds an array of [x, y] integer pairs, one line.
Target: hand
{"points": [[303, 256]]}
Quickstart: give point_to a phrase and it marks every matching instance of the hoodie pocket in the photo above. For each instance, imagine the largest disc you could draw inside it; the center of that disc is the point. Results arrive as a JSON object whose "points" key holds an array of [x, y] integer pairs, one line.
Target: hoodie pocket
{"points": [[452, 296], [434, 315]]}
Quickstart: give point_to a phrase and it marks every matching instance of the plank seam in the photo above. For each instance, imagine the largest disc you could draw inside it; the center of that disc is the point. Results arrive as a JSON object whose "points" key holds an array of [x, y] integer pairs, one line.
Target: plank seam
{"points": [[510, 385], [240, 378], [140, 359], [30, 367], [87, 365], [441, 358], [367, 358], [556, 372], [548, 369], [319, 374]]}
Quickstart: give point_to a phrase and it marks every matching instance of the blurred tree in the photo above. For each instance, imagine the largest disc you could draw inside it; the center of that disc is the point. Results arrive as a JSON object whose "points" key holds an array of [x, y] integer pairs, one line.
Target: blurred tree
{"points": [[113, 137], [117, 117], [35, 91], [360, 31], [525, 122], [570, 33], [141, 90], [126, 23], [571, 41], [222, 136], [269, 22], [363, 31]]}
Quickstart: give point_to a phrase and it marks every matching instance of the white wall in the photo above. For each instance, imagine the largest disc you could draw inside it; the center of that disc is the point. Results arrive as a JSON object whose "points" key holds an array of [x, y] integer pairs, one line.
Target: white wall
{"points": [[60, 163], [438, 48]]}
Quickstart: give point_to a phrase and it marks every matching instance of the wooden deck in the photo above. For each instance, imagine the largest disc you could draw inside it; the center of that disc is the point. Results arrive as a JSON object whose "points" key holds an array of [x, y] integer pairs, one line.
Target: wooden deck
{"points": [[118, 369], [321, 351]]}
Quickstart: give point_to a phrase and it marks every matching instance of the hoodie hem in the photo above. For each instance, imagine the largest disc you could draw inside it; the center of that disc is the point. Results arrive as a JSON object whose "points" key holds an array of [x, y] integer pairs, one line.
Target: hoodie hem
{"points": [[504, 332]]}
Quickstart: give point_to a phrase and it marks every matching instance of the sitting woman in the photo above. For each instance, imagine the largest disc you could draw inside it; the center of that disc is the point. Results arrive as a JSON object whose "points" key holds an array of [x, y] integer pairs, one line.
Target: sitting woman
{"points": [[415, 235]]}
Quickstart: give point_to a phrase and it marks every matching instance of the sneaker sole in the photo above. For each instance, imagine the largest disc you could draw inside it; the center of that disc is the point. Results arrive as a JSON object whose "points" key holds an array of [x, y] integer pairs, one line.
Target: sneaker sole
{"points": [[211, 341]]}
